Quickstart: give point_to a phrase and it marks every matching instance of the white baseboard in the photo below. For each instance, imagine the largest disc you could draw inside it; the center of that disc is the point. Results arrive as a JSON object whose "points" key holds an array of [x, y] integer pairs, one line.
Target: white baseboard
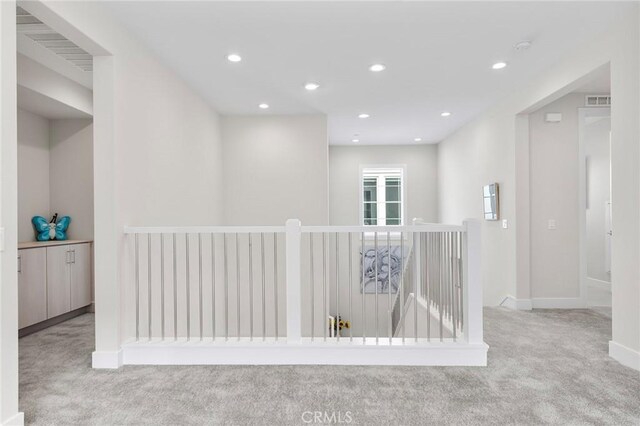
{"points": [[624, 355], [594, 282], [106, 359], [258, 353], [543, 303], [16, 420], [558, 303], [516, 304]]}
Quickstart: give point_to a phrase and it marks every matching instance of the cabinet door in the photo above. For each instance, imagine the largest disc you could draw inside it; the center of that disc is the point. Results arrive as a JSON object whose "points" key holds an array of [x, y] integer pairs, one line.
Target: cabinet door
{"points": [[32, 286], [58, 280], [80, 275]]}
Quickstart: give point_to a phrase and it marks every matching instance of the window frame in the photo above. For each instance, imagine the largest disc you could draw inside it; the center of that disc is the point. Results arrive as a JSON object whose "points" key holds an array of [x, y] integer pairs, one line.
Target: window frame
{"points": [[380, 170]]}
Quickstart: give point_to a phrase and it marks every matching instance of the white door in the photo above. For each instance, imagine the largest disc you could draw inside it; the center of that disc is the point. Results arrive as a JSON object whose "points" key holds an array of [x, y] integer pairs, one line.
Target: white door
{"points": [[595, 194], [607, 238], [58, 280], [80, 275], [32, 286]]}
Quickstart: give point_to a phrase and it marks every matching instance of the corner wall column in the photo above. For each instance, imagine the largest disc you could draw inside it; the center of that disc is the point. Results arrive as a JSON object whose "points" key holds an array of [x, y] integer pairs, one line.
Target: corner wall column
{"points": [[9, 414], [107, 235]]}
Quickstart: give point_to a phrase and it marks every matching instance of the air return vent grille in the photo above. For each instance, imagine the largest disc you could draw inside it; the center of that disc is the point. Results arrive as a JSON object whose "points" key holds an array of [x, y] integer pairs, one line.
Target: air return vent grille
{"points": [[597, 100], [40, 33]]}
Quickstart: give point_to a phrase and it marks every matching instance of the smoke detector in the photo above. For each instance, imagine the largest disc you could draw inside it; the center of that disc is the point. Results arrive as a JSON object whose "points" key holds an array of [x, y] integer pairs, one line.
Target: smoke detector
{"points": [[523, 45]]}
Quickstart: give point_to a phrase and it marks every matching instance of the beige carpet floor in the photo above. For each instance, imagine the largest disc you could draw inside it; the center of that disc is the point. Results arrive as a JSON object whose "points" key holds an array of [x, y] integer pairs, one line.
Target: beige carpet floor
{"points": [[545, 367]]}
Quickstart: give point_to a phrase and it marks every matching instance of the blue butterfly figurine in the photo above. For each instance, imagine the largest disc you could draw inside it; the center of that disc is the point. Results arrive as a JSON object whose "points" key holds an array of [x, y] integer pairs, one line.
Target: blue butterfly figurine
{"points": [[46, 231]]}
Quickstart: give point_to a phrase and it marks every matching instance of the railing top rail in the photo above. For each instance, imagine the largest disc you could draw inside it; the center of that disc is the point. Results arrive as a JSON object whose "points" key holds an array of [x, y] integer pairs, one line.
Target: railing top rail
{"points": [[202, 229], [427, 227], [420, 227]]}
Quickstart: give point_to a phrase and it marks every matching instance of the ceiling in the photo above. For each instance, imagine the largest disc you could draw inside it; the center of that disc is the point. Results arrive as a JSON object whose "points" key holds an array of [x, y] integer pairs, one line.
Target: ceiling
{"points": [[438, 56]]}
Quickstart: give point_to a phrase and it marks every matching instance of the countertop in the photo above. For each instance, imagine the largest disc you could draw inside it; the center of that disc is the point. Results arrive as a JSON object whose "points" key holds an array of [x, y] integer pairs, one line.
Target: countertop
{"points": [[51, 243]]}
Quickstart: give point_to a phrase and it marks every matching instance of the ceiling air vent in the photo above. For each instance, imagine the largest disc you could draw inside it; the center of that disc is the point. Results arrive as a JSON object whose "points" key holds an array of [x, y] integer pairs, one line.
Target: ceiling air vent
{"points": [[597, 100], [40, 33]]}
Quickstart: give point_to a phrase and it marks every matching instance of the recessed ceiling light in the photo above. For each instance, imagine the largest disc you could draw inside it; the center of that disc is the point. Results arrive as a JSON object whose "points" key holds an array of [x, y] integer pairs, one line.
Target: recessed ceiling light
{"points": [[499, 65], [234, 57], [445, 113], [417, 139], [377, 67], [263, 106], [363, 115], [311, 86], [355, 140]]}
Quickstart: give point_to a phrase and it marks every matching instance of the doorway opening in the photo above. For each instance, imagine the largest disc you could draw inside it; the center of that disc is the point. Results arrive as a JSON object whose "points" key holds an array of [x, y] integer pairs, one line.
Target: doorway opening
{"points": [[595, 214], [55, 175], [55, 190], [570, 207]]}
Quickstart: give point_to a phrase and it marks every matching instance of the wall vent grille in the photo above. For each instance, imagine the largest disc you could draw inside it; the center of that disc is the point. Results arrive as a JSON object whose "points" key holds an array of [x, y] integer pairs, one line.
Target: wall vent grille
{"points": [[40, 33], [597, 100]]}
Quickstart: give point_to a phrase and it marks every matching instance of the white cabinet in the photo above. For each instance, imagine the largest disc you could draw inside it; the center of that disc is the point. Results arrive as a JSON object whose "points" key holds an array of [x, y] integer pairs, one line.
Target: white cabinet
{"points": [[58, 280], [80, 257], [55, 278], [32, 286]]}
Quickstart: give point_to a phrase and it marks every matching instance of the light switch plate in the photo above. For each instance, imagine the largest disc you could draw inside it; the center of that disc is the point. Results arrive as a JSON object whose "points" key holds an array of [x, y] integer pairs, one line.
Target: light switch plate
{"points": [[505, 224], [551, 224]]}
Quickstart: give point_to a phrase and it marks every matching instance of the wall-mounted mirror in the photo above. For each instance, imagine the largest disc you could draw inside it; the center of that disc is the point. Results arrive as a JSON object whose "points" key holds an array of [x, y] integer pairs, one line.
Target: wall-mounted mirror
{"points": [[491, 202]]}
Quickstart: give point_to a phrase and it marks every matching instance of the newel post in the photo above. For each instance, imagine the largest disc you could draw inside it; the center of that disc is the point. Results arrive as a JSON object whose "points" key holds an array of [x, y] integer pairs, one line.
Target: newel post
{"points": [[417, 264], [472, 281], [293, 239]]}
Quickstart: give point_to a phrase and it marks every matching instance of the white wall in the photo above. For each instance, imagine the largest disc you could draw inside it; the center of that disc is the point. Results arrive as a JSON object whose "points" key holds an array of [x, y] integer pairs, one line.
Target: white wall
{"points": [[71, 174], [490, 147], [275, 168], [554, 183], [33, 171], [476, 155], [421, 181], [168, 152], [55, 173]]}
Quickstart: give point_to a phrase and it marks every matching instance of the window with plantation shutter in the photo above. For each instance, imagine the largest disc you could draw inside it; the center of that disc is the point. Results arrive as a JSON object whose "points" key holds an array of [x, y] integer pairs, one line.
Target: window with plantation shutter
{"points": [[382, 196]]}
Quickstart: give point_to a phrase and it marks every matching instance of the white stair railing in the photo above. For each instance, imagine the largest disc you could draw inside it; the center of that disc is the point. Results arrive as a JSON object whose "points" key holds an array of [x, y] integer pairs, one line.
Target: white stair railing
{"points": [[441, 282], [284, 283], [217, 283]]}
